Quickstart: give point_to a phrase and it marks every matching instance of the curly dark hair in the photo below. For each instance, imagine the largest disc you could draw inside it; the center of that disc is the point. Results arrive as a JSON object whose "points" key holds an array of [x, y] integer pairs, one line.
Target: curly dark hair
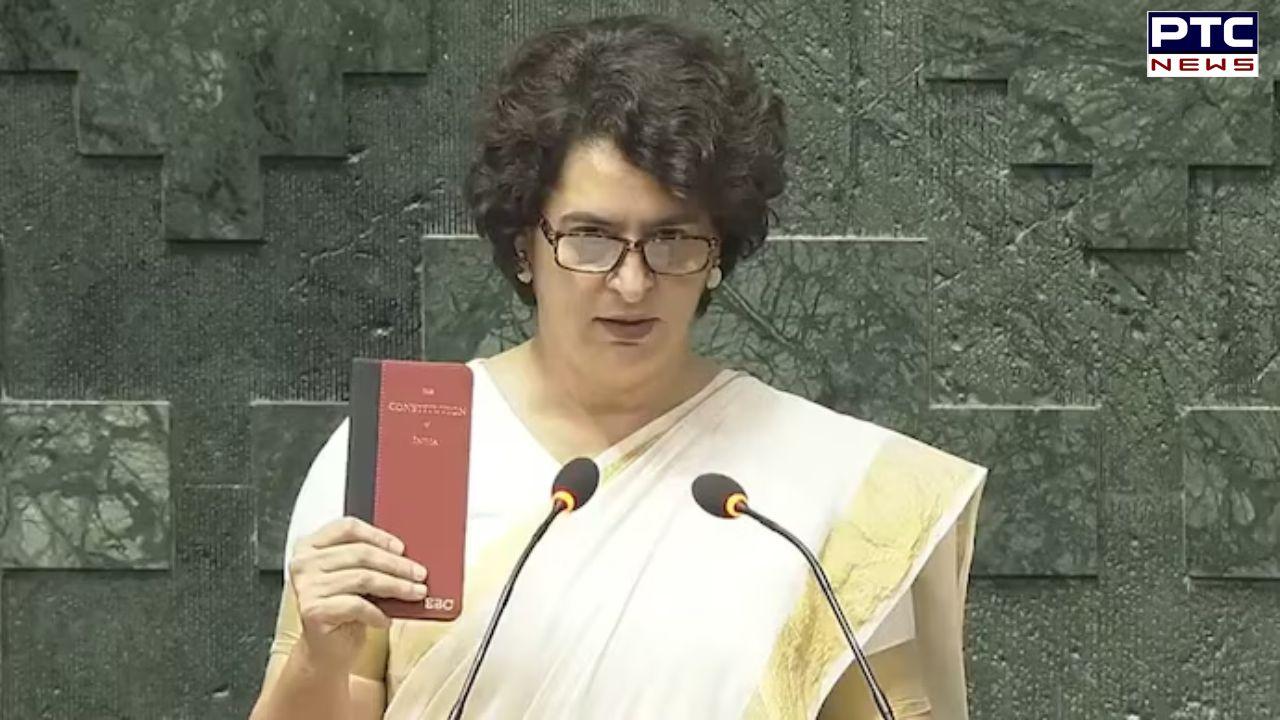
{"points": [[679, 104]]}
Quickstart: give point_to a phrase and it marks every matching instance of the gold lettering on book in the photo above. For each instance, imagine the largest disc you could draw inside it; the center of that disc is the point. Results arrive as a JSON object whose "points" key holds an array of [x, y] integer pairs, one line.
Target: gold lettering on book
{"points": [[426, 408], [432, 603]]}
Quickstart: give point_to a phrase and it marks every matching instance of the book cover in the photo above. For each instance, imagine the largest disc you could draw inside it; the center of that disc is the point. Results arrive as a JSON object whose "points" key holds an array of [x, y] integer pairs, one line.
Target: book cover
{"points": [[407, 467]]}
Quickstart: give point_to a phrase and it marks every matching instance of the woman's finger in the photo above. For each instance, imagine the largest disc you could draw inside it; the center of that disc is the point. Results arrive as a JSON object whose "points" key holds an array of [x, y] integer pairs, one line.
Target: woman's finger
{"points": [[370, 557], [340, 609], [352, 530], [359, 581]]}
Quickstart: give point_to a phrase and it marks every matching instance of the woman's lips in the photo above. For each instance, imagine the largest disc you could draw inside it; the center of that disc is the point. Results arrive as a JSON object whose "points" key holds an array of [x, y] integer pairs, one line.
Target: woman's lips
{"points": [[629, 330]]}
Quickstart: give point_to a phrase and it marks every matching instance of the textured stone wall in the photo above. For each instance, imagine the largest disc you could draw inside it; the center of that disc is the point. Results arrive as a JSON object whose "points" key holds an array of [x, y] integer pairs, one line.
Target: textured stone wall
{"points": [[1001, 237]]}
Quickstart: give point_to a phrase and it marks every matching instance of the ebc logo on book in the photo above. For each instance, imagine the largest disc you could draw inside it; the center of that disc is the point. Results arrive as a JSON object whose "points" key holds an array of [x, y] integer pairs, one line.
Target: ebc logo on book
{"points": [[1202, 44]]}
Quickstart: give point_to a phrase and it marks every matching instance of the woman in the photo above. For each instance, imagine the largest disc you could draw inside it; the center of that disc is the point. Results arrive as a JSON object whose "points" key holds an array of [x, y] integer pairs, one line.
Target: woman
{"points": [[625, 167]]}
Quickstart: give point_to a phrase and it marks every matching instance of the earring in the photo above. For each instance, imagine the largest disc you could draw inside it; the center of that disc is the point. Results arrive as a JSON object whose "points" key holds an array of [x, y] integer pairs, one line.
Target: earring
{"points": [[525, 273], [714, 277]]}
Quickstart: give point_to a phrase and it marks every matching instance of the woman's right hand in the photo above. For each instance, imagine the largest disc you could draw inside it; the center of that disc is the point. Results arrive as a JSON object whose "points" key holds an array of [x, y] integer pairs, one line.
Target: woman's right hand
{"points": [[331, 570]]}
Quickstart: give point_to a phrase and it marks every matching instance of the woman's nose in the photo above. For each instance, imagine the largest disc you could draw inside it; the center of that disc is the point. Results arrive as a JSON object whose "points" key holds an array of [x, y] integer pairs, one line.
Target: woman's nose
{"points": [[632, 278]]}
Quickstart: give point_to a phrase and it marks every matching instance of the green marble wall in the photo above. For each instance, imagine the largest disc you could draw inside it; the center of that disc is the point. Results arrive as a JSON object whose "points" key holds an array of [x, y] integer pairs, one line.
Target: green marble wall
{"points": [[1001, 237]]}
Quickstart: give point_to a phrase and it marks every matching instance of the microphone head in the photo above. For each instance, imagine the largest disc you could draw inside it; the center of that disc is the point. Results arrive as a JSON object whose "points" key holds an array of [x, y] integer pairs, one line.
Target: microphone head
{"points": [[719, 495], [576, 483]]}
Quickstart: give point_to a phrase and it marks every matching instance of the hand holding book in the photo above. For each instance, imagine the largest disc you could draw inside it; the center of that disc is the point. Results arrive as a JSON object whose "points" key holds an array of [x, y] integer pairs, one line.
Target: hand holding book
{"points": [[333, 573]]}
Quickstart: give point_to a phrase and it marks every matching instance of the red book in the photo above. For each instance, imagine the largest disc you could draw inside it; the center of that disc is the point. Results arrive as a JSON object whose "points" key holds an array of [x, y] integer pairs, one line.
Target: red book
{"points": [[407, 466]]}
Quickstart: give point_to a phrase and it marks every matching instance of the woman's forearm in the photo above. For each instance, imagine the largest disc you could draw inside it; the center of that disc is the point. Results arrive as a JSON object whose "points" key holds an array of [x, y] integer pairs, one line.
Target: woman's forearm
{"points": [[305, 690]]}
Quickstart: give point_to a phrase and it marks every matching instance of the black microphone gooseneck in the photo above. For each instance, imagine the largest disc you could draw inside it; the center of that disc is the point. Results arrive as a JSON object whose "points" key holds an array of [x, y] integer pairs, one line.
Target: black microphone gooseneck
{"points": [[574, 485], [723, 497]]}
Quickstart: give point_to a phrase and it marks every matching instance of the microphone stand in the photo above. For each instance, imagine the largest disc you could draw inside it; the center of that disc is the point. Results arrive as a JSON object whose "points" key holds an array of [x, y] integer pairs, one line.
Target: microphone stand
{"points": [[460, 704], [877, 695]]}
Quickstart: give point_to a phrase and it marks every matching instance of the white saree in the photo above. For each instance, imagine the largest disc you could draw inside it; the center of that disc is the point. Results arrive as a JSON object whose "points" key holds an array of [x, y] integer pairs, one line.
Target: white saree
{"points": [[641, 605]]}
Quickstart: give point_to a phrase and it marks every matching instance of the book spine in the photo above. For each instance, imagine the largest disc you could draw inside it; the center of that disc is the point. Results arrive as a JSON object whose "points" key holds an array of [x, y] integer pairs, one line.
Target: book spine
{"points": [[362, 447]]}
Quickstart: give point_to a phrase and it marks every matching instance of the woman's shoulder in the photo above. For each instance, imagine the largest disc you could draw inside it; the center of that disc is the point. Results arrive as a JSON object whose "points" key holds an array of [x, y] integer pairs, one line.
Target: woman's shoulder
{"points": [[780, 409], [788, 414], [321, 495]]}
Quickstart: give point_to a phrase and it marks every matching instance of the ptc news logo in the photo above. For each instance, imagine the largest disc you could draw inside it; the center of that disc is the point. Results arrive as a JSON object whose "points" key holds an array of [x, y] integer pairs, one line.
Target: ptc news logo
{"points": [[1202, 44]]}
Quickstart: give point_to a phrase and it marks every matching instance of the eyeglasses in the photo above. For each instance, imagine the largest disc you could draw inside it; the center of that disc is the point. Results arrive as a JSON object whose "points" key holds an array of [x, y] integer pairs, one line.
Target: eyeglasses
{"points": [[594, 251]]}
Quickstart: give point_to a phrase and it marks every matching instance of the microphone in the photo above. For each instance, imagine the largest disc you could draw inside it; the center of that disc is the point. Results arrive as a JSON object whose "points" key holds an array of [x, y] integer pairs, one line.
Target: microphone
{"points": [[573, 487], [723, 497]]}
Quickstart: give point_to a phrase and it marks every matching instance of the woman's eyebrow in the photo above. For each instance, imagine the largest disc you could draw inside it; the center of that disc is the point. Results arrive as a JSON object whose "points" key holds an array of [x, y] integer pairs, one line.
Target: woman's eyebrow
{"points": [[683, 217], [673, 220], [580, 216]]}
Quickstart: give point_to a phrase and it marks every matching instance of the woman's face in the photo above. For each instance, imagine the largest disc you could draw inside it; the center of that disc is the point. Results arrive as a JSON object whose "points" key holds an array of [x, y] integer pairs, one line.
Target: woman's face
{"points": [[629, 318]]}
